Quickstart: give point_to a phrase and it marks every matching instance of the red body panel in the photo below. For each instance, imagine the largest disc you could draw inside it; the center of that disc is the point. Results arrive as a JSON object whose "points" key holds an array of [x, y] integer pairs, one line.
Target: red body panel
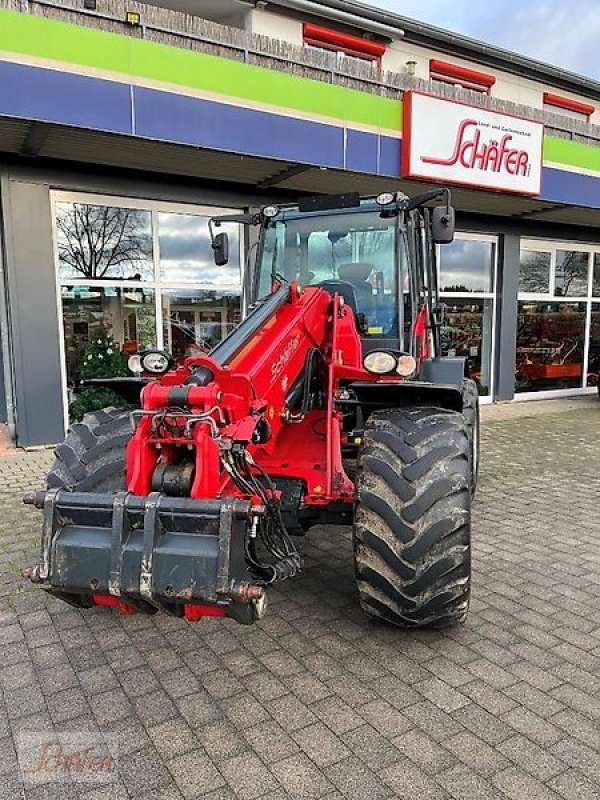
{"points": [[113, 602]]}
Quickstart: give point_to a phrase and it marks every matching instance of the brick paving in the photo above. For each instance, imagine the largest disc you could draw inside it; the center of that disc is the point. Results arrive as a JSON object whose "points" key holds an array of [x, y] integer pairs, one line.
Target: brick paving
{"points": [[319, 702]]}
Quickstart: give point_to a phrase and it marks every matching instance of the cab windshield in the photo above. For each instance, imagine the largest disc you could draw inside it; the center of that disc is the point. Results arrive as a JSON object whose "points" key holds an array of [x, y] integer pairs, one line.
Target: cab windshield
{"points": [[353, 253]]}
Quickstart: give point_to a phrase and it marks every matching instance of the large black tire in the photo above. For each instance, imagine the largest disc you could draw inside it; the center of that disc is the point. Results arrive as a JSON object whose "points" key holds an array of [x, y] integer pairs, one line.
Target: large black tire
{"points": [[412, 524], [92, 457], [471, 414]]}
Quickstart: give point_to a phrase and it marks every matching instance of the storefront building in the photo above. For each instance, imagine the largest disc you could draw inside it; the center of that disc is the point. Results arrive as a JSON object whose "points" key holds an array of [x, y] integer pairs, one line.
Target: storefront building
{"points": [[119, 140]]}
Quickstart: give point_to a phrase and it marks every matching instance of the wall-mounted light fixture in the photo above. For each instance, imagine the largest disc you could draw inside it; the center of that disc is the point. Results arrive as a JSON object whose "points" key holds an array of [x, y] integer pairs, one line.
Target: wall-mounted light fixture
{"points": [[133, 18], [410, 67], [89, 5]]}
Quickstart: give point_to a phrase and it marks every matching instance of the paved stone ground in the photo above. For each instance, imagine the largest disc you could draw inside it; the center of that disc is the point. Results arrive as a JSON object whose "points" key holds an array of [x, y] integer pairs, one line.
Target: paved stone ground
{"points": [[319, 702]]}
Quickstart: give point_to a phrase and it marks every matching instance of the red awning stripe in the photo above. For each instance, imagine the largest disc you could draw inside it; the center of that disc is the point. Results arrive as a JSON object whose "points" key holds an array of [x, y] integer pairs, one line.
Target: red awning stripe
{"points": [[343, 41], [472, 76], [568, 103]]}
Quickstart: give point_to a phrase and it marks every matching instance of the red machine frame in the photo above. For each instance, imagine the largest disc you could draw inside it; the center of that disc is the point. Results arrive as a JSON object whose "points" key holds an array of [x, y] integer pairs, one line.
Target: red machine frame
{"points": [[264, 368]]}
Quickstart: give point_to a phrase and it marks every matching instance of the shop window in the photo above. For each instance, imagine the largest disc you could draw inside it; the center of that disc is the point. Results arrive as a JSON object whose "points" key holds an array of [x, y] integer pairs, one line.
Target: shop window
{"points": [[123, 269], [593, 371], [550, 346], [457, 75], [534, 272], [126, 315], [344, 44], [551, 342], [567, 107], [467, 265], [571, 273], [97, 242], [194, 321], [467, 332], [186, 254]]}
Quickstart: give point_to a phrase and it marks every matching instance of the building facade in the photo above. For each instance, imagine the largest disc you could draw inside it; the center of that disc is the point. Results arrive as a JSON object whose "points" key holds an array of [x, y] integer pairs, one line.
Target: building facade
{"points": [[125, 126]]}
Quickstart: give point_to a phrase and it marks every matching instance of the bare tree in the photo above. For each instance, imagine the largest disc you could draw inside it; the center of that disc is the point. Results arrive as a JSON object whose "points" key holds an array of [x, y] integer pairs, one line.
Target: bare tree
{"points": [[571, 274], [97, 240]]}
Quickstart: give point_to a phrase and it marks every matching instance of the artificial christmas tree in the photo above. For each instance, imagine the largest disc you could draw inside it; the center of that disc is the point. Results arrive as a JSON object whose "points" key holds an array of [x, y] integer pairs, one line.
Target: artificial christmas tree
{"points": [[102, 359]]}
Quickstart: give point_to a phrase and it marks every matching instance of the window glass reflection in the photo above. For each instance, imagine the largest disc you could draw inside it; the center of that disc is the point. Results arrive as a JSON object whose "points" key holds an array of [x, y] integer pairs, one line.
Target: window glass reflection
{"points": [[550, 345], [571, 274], [596, 275], [126, 315], [534, 272], [186, 253], [467, 265], [357, 249], [467, 332], [103, 242], [194, 321], [593, 375]]}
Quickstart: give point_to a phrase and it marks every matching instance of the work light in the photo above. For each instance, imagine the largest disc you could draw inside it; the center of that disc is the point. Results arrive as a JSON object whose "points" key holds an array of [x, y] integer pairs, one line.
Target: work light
{"points": [[385, 198], [155, 361], [406, 366], [380, 362], [134, 364]]}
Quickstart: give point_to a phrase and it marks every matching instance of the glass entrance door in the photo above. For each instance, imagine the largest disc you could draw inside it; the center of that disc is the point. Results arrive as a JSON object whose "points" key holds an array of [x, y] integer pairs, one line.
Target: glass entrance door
{"points": [[467, 278]]}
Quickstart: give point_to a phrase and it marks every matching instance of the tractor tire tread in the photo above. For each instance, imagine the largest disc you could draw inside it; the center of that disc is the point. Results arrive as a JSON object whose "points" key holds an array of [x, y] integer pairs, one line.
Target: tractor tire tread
{"points": [[93, 455], [470, 395], [412, 519]]}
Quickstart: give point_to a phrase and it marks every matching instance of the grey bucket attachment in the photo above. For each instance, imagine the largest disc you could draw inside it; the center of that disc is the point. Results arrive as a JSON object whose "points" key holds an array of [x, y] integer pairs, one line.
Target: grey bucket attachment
{"points": [[149, 553]]}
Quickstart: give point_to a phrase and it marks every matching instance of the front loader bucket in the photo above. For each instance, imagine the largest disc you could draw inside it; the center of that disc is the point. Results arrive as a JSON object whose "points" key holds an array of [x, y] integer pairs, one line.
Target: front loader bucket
{"points": [[179, 555]]}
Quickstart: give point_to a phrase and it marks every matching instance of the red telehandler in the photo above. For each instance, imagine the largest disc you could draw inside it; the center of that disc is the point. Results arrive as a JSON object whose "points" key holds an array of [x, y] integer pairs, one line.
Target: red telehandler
{"points": [[329, 404]]}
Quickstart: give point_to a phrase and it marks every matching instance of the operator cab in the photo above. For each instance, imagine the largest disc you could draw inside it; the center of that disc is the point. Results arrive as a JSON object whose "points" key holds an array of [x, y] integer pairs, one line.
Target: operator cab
{"points": [[377, 253], [350, 251]]}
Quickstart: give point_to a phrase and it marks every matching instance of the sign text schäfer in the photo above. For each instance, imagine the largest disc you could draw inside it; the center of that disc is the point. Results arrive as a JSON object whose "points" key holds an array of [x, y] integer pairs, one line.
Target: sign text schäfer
{"points": [[452, 142]]}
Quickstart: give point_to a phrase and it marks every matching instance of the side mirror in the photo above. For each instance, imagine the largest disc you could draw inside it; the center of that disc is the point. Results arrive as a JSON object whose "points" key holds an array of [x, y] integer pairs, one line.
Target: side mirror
{"points": [[442, 224], [220, 246]]}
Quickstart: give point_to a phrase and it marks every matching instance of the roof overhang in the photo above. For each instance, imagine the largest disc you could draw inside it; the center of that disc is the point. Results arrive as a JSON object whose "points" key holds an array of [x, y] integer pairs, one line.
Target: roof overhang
{"points": [[29, 143]]}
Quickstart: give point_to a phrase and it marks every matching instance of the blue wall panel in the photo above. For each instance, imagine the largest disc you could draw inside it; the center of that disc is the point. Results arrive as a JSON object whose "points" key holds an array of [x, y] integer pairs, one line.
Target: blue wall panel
{"points": [[361, 151], [390, 150], [51, 96], [560, 186], [205, 123]]}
